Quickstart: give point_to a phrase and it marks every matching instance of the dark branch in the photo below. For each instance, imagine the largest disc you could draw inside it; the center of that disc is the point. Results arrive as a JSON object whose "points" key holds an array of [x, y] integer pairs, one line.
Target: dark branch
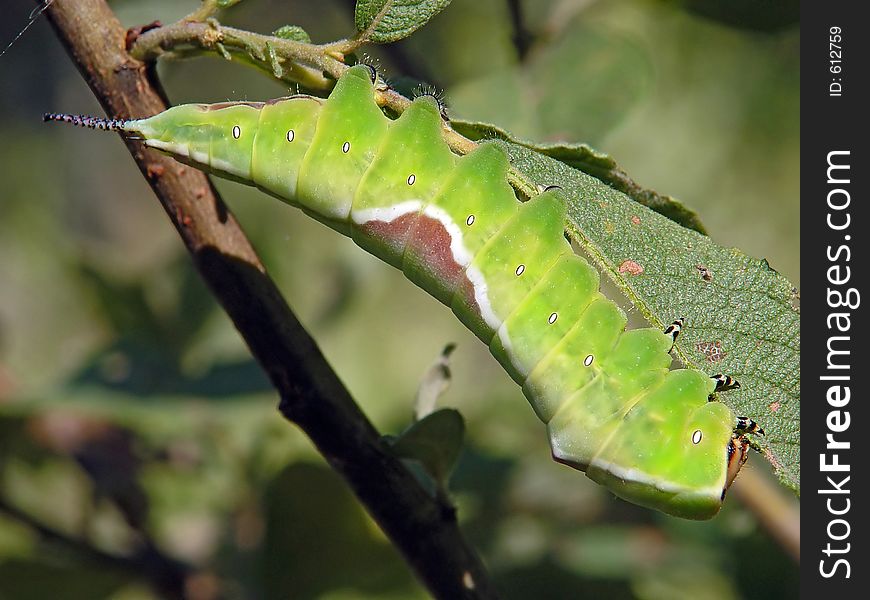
{"points": [[166, 575], [522, 37], [311, 394]]}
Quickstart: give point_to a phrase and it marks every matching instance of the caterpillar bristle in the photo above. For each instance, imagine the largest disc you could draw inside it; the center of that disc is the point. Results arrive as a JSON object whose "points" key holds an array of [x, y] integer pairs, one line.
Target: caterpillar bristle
{"points": [[427, 89], [87, 121], [374, 65]]}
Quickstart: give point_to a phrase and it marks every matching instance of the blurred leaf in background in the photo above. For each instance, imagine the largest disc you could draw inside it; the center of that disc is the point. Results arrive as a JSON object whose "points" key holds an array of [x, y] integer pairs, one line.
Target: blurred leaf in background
{"points": [[132, 419]]}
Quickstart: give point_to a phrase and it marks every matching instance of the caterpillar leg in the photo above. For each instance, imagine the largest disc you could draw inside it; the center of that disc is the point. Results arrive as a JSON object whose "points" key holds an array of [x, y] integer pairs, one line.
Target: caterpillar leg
{"points": [[675, 328], [725, 382], [746, 425]]}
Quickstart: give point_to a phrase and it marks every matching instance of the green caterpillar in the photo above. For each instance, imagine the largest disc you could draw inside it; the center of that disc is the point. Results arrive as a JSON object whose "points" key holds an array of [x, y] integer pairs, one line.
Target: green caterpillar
{"points": [[454, 227]]}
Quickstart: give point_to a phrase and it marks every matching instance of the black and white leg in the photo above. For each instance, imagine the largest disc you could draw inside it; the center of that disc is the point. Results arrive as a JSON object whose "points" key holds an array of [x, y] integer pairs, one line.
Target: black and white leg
{"points": [[674, 329], [746, 425], [725, 382]]}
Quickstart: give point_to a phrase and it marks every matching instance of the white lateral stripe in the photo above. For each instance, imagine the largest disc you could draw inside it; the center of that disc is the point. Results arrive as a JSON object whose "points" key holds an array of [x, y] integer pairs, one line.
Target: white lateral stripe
{"points": [[457, 249], [386, 214], [198, 156], [658, 483], [481, 296], [171, 147], [463, 258]]}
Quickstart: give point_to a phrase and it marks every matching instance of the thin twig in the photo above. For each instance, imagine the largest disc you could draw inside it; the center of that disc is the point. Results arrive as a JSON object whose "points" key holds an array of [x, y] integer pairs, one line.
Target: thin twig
{"points": [[775, 511], [208, 8], [312, 396], [186, 35], [165, 574], [522, 37]]}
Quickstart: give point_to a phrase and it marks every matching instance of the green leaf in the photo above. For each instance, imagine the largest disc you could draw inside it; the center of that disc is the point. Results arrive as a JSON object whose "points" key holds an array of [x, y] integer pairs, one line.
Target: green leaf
{"points": [[435, 441], [385, 21], [742, 317], [592, 162], [293, 33]]}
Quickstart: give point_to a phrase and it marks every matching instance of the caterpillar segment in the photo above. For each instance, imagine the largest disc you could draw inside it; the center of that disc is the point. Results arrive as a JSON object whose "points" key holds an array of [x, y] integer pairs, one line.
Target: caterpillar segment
{"points": [[455, 228]]}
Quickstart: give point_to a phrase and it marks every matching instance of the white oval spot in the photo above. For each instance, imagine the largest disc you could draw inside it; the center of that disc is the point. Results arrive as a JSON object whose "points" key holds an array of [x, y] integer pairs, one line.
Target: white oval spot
{"points": [[345, 147], [696, 437], [291, 135], [588, 360], [470, 220], [237, 131], [411, 179], [552, 318], [520, 270]]}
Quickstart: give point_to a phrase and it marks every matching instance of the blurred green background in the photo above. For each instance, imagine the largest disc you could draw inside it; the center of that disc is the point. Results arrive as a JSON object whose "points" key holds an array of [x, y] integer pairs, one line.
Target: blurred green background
{"points": [[131, 415]]}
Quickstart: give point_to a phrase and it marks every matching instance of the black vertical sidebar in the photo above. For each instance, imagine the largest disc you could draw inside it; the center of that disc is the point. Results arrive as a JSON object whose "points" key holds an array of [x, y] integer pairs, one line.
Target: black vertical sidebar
{"points": [[835, 238]]}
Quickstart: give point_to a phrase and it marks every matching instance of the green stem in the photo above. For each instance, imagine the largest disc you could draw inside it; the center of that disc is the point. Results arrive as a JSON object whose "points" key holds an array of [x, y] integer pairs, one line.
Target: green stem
{"points": [[209, 8]]}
